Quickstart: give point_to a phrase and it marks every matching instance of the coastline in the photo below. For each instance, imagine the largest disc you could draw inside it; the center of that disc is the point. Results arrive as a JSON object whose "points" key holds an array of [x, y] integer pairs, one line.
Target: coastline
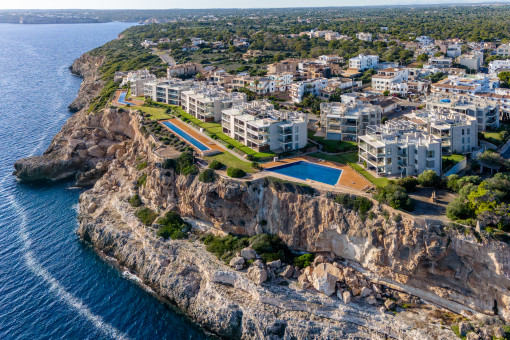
{"points": [[222, 300]]}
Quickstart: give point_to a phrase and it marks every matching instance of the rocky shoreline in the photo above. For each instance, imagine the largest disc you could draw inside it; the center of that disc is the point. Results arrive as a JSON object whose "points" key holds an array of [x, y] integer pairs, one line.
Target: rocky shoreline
{"points": [[429, 263]]}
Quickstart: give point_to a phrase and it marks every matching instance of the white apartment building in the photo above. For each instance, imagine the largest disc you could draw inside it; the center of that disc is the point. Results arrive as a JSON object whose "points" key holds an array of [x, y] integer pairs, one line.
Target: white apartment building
{"points": [[167, 91], [364, 36], [398, 148], [282, 81], [503, 50], [386, 78], [406, 88], [206, 102], [465, 84], [347, 122], [441, 62], [473, 61], [425, 40], [364, 62], [313, 86], [458, 132], [497, 66], [259, 126], [453, 51], [485, 111]]}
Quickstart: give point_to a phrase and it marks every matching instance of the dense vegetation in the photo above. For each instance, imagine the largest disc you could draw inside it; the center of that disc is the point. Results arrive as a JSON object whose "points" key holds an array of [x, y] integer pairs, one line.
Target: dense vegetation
{"points": [[173, 226], [359, 204], [146, 215], [235, 173]]}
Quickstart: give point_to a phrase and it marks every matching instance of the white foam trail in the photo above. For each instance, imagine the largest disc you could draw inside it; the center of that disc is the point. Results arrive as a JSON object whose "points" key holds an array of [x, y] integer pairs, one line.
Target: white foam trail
{"points": [[55, 286]]}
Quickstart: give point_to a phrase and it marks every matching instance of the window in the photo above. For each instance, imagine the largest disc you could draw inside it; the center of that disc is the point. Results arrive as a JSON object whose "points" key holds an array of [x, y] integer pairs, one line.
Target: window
{"points": [[463, 132], [430, 164], [388, 152], [468, 131]]}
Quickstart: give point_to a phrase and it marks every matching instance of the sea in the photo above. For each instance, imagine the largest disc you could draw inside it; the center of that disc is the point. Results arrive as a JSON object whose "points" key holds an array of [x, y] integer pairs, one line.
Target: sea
{"points": [[52, 285]]}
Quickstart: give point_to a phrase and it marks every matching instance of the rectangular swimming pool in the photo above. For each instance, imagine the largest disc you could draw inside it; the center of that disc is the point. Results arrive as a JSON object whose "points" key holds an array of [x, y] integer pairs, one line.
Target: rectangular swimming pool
{"points": [[306, 170], [200, 146], [122, 99]]}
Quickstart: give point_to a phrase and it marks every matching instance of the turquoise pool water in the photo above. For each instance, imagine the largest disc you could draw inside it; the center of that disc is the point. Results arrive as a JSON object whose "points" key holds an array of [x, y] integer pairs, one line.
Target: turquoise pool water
{"points": [[122, 99], [306, 170], [186, 136]]}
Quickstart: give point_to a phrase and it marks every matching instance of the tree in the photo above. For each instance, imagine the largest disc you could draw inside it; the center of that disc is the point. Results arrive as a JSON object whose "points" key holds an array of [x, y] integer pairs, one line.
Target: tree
{"points": [[423, 57], [504, 78], [386, 93], [429, 178]]}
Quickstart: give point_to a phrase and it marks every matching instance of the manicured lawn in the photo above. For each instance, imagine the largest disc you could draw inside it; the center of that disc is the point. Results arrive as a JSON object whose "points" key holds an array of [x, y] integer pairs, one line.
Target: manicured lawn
{"points": [[156, 113], [449, 161], [231, 161], [345, 158], [333, 145], [493, 137], [380, 182]]}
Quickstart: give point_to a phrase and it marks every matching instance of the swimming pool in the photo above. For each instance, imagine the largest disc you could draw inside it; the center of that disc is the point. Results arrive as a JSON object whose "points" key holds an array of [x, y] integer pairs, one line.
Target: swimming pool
{"points": [[186, 136], [122, 99], [306, 170]]}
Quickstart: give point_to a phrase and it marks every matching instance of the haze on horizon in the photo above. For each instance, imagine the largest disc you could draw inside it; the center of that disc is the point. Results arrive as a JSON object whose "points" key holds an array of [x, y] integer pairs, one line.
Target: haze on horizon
{"points": [[203, 4]]}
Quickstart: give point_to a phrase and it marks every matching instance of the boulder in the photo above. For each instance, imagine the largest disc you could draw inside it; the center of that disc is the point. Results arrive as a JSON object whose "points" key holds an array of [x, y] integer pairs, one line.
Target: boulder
{"points": [[275, 264], [346, 296], [377, 289], [472, 336], [237, 262], [352, 281], [248, 254], [318, 259], [257, 275], [259, 264], [365, 292], [464, 328], [297, 273], [96, 151], [371, 300], [302, 279], [390, 304], [287, 272], [323, 268], [356, 291], [112, 149], [325, 284]]}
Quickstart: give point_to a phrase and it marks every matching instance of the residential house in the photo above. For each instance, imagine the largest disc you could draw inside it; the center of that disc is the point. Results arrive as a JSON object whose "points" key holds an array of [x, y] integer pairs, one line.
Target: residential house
{"points": [[503, 50], [386, 78], [441, 62], [186, 69], [497, 66], [473, 60], [364, 62], [312, 86], [364, 36]]}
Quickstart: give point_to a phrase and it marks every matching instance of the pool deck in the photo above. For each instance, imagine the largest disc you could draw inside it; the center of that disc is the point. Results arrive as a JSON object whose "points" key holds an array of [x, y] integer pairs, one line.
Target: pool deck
{"points": [[133, 101], [349, 178], [198, 136]]}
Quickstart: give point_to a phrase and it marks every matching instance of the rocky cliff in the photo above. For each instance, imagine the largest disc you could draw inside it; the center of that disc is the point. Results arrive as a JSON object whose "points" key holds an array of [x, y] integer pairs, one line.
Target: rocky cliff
{"points": [[436, 263]]}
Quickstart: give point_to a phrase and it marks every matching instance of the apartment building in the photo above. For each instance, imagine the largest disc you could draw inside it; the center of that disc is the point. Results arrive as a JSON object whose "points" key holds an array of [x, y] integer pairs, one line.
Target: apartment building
{"points": [[465, 84], [453, 51], [348, 121], [364, 36], [386, 78], [259, 126], [167, 91], [458, 132], [503, 50], [441, 62], [473, 60], [406, 88], [220, 77], [206, 102], [184, 70], [338, 83], [282, 81], [399, 148], [239, 82], [485, 111], [425, 40], [497, 66], [313, 86], [284, 66], [364, 62]]}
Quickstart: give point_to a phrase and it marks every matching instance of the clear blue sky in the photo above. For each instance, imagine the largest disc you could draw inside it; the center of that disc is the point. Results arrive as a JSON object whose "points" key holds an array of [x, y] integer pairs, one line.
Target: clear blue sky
{"points": [[168, 4]]}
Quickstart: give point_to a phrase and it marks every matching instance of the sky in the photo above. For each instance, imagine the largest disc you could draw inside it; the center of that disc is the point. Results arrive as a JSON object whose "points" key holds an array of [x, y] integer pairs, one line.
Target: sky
{"points": [[169, 4]]}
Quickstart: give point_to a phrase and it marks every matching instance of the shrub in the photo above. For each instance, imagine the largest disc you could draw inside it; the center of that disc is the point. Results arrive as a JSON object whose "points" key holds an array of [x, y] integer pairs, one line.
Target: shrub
{"points": [[207, 176], [216, 165], [456, 183], [303, 261], [409, 183], [429, 178], [173, 226], [225, 247], [359, 204], [397, 218], [270, 248], [135, 201], [169, 164], [141, 180], [146, 216], [235, 172], [395, 196], [141, 166], [185, 164], [458, 209]]}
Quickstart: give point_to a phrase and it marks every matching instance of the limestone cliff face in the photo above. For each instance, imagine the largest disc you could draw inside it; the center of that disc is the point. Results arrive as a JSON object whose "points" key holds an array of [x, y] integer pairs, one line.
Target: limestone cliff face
{"points": [[87, 68]]}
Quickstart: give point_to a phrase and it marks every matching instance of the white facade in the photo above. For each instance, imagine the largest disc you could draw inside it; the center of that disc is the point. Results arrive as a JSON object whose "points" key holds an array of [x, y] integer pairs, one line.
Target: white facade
{"points": [[386, 78], [313, 86], [364, 36], [399, 149], [424, 40], [473, 61], [453, 51], [347, 122], [441, 62], [167, 91], [206, 102], [259, 126], [364, 62], [497, 66], [503, 50]]}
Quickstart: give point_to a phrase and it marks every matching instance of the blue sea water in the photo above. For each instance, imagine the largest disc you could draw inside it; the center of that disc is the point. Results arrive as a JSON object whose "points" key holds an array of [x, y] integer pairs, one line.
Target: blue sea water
{"points": [[306, 170], [52, 286]]}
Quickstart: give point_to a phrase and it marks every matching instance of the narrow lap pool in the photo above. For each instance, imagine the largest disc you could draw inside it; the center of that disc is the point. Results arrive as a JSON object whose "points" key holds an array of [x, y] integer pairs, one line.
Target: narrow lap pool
{"points": [[306, 170], [186, 136]]}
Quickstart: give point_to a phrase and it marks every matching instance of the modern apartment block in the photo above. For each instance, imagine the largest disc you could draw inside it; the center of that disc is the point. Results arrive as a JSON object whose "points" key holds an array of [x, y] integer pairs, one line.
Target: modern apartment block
{"points": [[458, 132], [287, 65], [497, 66], [465, 84], [364, 62], [184, 70], [313, 86], [441, 62], [348, 121], [259, 126], [167, 91], [364, 36], [206, 102], [473, 60], [386, 78], [485, 111], [399, 148], [503, 50]]}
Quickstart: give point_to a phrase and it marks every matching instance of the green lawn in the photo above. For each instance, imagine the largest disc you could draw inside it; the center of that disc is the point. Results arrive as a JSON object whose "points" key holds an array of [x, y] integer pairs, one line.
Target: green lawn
{"points": [[333, 145], [449, 161], [155, 113], [345, 158], [493, 137], [380, 182], [231, 161]]}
